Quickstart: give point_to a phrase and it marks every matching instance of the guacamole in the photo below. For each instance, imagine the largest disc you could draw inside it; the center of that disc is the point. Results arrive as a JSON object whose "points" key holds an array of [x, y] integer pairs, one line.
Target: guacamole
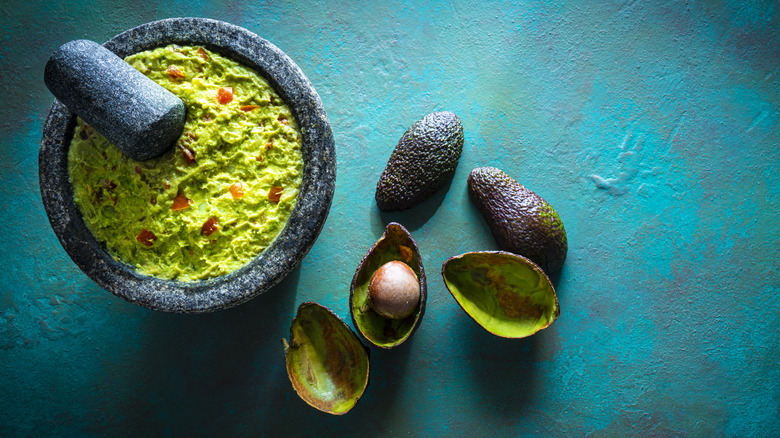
{"points": [[219, 197]]}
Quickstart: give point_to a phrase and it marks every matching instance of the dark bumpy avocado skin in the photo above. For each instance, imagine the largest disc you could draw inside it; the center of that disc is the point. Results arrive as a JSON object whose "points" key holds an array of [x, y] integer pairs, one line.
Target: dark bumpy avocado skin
{"points": [[422, 162], [521, 221]]}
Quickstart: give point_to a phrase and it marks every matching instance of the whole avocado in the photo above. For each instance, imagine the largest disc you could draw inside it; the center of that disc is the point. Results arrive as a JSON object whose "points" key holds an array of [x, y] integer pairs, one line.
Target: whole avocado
{"points": [[521, 221], [422, 162]]}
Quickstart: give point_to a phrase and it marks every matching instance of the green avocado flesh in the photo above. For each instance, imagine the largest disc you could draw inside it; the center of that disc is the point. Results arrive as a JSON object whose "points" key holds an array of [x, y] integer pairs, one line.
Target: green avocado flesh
{"points": [[395, 244], [326, 363], [219, 197], [506, 294]]}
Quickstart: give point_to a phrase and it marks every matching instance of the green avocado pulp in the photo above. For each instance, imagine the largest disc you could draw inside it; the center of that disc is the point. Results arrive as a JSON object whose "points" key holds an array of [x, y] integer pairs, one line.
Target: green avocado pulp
{"points": [[506, 294], [218, 198]]}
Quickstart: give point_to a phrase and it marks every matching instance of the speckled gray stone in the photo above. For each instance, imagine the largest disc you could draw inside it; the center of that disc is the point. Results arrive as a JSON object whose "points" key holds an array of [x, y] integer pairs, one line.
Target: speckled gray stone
{"points": [[284, 254], [133, 112]]}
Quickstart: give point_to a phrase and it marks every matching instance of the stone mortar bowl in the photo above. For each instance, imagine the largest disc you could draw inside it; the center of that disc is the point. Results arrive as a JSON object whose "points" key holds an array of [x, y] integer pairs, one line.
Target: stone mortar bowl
{"points": [[267, 269]]}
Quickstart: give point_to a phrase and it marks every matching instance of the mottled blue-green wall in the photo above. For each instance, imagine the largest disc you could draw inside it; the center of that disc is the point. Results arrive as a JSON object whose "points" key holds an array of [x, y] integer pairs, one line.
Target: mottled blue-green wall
{"points": [[654, 130]]}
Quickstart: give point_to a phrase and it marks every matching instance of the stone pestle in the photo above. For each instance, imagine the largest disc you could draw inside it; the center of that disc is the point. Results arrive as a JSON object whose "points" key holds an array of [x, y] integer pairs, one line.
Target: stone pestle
{"points": [[132, 111]]}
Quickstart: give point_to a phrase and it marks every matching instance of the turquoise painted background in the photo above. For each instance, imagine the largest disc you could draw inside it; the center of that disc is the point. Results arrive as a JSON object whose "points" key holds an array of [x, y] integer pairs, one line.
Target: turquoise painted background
{"points": [[652, 127]]}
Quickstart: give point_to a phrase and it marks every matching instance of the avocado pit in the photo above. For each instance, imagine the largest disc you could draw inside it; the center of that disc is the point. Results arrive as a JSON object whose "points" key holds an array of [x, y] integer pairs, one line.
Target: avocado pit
{"points": [[394, 291]]}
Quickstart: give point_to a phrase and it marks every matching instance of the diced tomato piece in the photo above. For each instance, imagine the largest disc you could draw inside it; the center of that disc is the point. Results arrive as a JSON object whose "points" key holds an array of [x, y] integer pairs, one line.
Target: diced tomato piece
{"points": [[247, 108], [202, 53], [189, 154], [146, 238], [283, 120], [275, 194], [225, 95], [97, 195], [237, 190], [269, 145], [180, 202], [210, 226], [174, 72]]}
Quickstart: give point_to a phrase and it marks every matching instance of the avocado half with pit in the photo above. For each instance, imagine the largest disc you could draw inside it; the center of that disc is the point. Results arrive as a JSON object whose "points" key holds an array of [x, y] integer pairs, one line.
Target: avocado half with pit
{"points": [[326, 363], [507, 294], [395, 247]]}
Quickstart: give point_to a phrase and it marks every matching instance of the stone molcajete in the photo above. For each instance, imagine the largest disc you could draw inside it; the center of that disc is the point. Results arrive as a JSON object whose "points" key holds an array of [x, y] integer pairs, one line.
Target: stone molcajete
{"points": [[326, 363], [508, 295], [392, 321], [423, 161], [298, 235], [521, 221]]}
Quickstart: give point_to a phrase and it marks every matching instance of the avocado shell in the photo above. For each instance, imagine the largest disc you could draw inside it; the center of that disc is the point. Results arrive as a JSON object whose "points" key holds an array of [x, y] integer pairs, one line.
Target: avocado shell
{"points": [[326, 363], [395, 244], [507, 294]]}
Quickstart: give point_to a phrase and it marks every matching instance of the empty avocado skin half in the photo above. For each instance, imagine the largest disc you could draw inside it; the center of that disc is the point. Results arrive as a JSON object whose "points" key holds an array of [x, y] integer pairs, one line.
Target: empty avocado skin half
{"points": [[424, 159], [507, 294], [395, 244], [326, 363], [521, 221]]}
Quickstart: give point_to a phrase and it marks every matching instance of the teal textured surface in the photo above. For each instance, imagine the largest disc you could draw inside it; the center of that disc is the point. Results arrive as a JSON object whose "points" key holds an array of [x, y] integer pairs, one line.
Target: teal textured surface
{"points": [[653, 130]]}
